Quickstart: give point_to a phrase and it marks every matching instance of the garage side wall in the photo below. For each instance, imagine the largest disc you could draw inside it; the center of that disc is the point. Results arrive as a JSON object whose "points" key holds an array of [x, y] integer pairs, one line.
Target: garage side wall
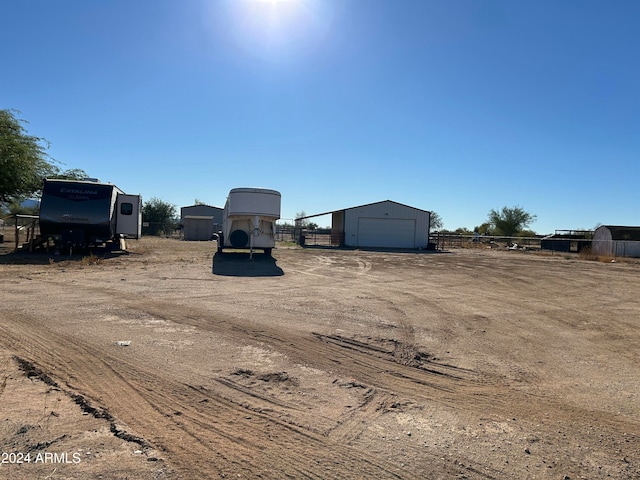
{"points": [[627, 248], [385, 220]]}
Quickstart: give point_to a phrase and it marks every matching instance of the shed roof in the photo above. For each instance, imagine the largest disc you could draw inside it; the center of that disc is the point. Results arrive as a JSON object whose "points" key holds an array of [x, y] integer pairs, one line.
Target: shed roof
{"points": [[360, 206], [202, 205], [623, 233]]}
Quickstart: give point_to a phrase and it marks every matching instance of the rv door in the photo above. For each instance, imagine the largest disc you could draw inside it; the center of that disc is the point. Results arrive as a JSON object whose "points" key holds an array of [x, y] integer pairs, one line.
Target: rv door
{"points": [[129, 215]]}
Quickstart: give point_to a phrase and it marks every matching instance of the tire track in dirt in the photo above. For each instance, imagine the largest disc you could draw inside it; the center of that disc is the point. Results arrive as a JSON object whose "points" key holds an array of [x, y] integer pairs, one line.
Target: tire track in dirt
{"points": [[374, 369], [351, 424], [364, 266], [324, 266], [230, 328], [214, 425], [405, 351], [449, 385], [88, 376], [381, 373]]}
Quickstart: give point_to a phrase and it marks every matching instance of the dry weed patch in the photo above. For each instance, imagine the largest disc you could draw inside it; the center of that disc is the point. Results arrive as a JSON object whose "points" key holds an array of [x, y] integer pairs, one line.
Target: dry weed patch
{"points": [[587, 254]]}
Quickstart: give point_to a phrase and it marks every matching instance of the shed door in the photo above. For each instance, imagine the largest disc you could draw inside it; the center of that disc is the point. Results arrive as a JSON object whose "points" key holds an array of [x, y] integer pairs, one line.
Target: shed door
{"points": [[386, 232], [198, 228]]}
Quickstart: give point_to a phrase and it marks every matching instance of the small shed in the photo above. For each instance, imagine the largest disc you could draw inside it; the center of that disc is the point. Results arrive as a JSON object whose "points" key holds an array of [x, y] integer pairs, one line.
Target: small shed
{"points": [[617, 241], [194, 220], [385, 224]]}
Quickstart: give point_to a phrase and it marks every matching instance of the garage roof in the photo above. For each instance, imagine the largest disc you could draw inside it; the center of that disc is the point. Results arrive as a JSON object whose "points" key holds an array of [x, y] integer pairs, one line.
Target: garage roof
{"points": [[619, 232], [360, 206]]}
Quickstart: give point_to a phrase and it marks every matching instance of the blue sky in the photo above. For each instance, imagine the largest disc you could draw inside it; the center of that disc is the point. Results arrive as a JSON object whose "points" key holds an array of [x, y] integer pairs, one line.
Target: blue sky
{"points": [[458, 107]]}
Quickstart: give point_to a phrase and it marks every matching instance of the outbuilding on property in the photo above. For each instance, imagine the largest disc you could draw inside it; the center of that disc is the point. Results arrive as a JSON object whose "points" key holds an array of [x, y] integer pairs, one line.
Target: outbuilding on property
{"points": [[200, 222], [617, 241], [385, 224]]}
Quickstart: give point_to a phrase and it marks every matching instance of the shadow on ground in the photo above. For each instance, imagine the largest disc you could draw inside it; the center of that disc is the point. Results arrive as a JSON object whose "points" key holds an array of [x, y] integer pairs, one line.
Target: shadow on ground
{"points": [[239, 265], [375, 249], [40, 257]]}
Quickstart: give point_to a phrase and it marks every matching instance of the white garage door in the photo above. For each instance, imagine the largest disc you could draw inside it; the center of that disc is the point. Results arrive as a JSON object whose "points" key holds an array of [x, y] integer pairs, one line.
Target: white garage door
{"points": [[386, 232]]}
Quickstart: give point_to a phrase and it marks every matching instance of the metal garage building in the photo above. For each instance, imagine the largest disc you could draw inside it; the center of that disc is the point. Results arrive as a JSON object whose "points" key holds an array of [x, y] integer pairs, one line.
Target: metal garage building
{"points": [[384, 224]]}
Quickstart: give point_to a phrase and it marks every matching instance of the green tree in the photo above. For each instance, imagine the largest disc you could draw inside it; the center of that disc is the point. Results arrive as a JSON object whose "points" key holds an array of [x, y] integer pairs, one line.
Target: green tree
{"points": [[510, 220], [24, 162], [301, 223], [435, 222], [527, 233], [72, 174], [484, 229], [160, 217], [26, 208]]}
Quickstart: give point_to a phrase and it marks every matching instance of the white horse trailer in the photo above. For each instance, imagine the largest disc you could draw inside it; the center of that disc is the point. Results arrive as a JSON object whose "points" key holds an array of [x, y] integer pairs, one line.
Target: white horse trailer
{"points": [[249, 219]]}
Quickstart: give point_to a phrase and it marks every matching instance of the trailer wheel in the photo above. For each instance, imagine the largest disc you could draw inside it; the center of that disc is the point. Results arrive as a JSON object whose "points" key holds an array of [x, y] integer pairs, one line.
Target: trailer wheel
{"points": [[267, 252]]}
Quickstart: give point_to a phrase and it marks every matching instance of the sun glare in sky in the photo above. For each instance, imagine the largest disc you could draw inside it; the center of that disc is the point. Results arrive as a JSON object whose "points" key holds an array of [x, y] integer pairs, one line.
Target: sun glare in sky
{"points": [[276, 30]]}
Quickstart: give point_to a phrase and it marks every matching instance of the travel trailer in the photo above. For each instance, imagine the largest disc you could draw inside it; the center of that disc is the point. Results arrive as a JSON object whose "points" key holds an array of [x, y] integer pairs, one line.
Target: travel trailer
{"points": [[79, 213], [249, 219]]}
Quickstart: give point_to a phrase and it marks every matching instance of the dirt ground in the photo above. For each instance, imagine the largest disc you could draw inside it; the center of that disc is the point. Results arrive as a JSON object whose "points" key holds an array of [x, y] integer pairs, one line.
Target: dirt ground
{"points": [[173, 362]]}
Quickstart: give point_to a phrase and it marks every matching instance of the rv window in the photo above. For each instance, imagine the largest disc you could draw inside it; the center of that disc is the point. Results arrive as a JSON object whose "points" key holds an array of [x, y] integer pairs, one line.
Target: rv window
{"points": [[126, 208]]}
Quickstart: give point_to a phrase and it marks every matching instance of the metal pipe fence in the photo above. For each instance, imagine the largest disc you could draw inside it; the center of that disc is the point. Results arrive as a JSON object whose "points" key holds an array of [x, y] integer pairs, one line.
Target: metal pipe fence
{"points": [[449, 240], [26, 230], [586, 247]]}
